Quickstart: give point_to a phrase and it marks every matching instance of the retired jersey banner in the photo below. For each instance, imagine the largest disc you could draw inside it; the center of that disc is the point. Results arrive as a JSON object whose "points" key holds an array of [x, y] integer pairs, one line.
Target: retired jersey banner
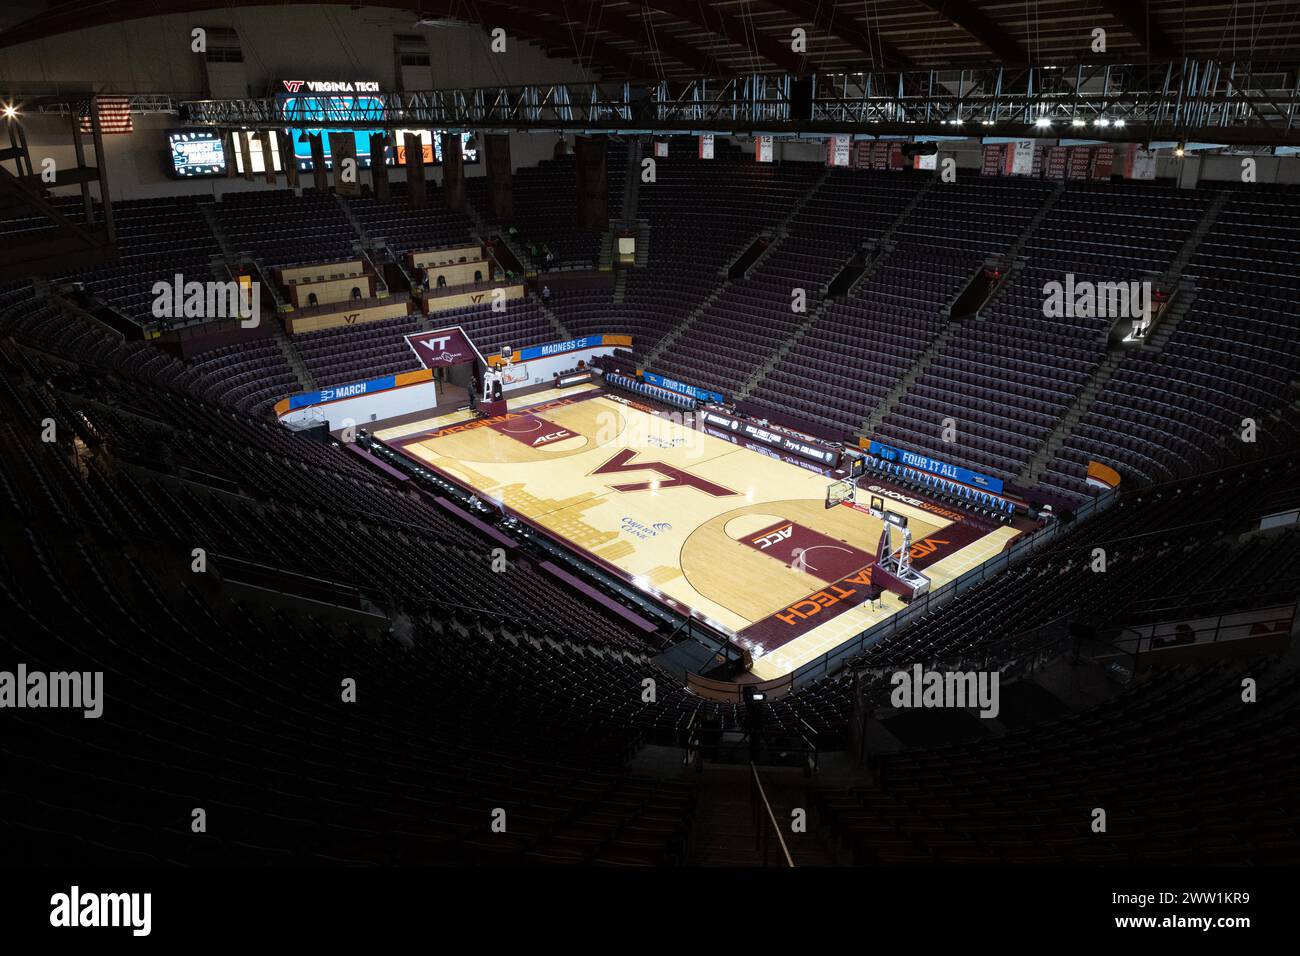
{"points": [[763, 148], [837, 150], [936, 467], [1019, 158], [706, 146], [1140, 163], [661, 147], [443, 347]]}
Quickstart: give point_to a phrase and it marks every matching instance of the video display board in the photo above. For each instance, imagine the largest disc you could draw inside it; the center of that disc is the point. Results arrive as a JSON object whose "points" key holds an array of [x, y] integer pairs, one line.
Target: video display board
{"points": [[196, 153], [306, 105]]}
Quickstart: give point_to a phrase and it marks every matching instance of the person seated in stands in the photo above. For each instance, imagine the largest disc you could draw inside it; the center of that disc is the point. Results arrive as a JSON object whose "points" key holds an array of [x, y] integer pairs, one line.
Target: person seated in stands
{"points": [[546, 293]]}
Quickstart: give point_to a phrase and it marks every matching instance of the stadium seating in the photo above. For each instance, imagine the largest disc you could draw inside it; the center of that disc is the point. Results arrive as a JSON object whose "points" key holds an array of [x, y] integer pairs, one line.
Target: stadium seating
{"points": [[280, 229], [157, 239], [250, 377], [701, 215], [405, 229], [356, 353], [545, 210], [1231, 358], [1028, 797]]}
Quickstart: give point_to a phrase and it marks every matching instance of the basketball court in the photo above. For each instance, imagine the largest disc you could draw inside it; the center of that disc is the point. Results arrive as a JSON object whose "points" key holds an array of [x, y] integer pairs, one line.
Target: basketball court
{"points": [[741, 539]]}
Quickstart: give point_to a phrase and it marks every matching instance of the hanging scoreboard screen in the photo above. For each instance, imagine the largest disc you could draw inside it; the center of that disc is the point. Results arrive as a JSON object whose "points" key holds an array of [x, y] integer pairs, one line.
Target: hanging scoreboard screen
{"points": [[196, 153], [431, 145], [305, 104]]}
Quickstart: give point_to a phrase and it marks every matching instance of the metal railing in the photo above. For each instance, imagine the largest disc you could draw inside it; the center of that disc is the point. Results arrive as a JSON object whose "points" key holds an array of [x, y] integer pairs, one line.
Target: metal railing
{"points": [[1199, 630], [766, 825]]}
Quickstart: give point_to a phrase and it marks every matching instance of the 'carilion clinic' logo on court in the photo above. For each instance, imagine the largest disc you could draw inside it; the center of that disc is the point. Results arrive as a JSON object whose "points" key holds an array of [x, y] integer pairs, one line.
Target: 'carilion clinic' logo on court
{"points": [[657, 442], [645, 531]]}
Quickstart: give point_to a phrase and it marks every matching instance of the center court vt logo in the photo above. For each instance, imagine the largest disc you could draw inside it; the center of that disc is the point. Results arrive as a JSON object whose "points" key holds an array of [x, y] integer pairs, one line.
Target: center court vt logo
{"points": [[676, 477]]}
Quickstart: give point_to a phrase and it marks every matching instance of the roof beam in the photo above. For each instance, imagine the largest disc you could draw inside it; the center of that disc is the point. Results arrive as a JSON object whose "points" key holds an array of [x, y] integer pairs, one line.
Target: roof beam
{"points": [[735, 30], [1135, 17], [587, 50], [593, 17], [80, 14], [964, 15], [839, 24]]}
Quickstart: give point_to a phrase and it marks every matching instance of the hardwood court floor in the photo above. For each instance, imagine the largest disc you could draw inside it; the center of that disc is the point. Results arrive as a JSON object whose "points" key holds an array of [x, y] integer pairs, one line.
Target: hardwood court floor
{"points": [[742, 538]]}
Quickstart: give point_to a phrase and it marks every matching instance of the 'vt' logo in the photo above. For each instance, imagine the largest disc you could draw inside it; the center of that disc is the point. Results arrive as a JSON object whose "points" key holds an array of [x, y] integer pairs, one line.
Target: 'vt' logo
{"points": [[622, 462], [293, 86]]}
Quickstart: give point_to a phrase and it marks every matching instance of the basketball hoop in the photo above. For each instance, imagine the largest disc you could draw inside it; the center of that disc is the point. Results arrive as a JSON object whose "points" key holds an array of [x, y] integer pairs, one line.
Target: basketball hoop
{"points": [[840, 492]]}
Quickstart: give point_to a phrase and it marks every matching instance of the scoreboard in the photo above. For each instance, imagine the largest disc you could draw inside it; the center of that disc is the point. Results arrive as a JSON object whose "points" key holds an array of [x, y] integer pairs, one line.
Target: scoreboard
{"points": [[196, 153], [306, 104]]}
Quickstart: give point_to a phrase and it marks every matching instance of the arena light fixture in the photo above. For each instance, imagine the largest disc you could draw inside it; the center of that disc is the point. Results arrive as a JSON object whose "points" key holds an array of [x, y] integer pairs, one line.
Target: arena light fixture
{"points": [[10, 111], [1043, 122]]}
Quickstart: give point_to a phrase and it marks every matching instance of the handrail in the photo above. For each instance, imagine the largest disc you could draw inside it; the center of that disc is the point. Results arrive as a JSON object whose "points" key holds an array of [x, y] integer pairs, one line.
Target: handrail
{"points": [[759, 798], [690, 744]]}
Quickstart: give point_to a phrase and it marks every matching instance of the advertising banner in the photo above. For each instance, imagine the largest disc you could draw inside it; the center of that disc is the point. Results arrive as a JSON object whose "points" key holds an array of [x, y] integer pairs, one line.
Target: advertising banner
{"points": [[352, 390], [936, 467], [699, 394], [767, 436], [559, 348]]}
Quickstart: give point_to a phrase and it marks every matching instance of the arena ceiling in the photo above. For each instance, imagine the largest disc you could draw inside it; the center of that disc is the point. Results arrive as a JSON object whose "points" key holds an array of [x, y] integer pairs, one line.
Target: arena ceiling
{"points": [[684, 39]]}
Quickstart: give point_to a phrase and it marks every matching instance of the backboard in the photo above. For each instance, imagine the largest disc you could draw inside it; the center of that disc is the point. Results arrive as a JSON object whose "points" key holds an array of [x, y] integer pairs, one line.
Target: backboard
{"points": [[838, 492]]}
